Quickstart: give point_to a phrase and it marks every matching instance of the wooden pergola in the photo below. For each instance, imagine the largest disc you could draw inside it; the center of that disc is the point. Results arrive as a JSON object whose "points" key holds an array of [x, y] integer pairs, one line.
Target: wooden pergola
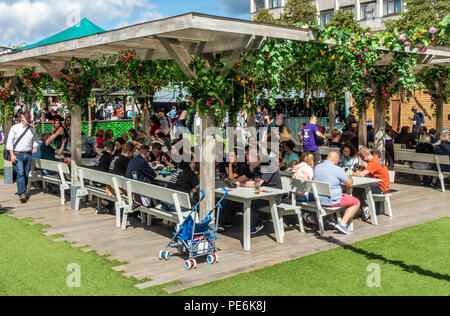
{"points": [[177, 38]]}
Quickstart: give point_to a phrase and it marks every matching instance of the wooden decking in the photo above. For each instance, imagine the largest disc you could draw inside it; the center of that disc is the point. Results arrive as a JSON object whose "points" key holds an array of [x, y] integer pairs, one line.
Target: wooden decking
{"points": [[138, 246]]}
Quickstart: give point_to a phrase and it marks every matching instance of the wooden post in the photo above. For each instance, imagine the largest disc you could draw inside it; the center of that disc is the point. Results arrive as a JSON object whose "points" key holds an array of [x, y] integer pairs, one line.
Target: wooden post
{"points": [[133, 112], [8, 166], [362, 128], [380, 130], [75, 137], [207, 166], [90, 119], [439, 112], [332, 115]]}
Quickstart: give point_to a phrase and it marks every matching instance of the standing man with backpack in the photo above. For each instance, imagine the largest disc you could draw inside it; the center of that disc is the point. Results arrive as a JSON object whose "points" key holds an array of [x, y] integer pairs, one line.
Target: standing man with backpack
{"points": [[22, 142], [417, 122]]}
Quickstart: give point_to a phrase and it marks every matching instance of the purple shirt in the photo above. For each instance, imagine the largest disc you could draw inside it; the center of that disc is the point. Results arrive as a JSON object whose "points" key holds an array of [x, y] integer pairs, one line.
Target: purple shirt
{"points": [[309, 142]]}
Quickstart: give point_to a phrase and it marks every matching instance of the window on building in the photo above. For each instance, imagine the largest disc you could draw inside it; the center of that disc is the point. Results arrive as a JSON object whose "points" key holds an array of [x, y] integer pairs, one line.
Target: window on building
{"points": [[368, 10], [259, 5], [274, 4], [326, 16], [349, 8], [391, 7]]}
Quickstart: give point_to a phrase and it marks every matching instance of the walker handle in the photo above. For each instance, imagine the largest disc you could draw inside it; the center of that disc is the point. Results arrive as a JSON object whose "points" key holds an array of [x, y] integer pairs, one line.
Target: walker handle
{"points": [[202, 193], [225, 191]]}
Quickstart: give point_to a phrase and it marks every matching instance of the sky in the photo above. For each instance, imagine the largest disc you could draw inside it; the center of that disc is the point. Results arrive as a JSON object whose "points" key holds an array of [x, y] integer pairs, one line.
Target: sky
{"points": [[29, 21]]}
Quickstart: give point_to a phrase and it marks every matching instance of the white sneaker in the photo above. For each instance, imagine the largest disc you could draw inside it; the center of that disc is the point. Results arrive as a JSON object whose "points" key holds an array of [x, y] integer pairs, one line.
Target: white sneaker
{"points": [[365, 213]]}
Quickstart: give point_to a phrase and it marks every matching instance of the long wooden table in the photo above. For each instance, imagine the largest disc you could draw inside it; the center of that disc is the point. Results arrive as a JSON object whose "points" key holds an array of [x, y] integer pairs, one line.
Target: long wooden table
{"points": [[246, 196]]}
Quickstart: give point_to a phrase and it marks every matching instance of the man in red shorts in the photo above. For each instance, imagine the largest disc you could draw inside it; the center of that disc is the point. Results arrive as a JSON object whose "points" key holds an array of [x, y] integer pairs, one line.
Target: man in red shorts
{"points": [[329, 172]]}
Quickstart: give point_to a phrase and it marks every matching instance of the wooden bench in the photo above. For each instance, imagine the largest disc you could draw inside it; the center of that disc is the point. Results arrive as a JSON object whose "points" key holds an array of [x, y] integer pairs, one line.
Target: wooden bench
{"points": [[316, 188], [156, 193], [323, 150], [38, 174], [88, 177], [403, 155]]}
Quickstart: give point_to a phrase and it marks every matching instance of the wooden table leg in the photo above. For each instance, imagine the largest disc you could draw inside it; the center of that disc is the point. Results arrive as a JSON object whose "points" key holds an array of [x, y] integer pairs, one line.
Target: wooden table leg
{"points": [[247, 225], [276, 220], [371, 203]]}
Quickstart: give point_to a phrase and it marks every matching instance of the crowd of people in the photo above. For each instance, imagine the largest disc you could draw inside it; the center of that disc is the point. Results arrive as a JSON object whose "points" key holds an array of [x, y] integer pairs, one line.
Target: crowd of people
{"points": [[133, 154]]}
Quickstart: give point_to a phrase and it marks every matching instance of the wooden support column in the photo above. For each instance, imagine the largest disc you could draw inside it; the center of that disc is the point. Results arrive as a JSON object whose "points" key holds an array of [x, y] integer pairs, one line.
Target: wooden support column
{"points": [[8, 166], [362, 128], [380, 130], [207, 165], [439, 112], [332, 115]]}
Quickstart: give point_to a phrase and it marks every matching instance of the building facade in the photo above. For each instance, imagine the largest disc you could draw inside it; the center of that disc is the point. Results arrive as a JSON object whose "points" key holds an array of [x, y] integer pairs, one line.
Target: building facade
{"points": [[369, 13]]}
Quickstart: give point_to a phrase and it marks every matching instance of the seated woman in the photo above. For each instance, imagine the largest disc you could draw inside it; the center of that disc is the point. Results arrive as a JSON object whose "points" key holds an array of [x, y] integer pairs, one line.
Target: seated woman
{"points": [[59, 132], [304, 171], [347, 158], [99, 135], [335, 139], [287, 135], [424, 147], [290, 158], [406, 138]]}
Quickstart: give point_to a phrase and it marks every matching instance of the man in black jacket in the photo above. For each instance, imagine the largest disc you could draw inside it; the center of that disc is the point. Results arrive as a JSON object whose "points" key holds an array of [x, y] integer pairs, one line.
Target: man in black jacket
{"points": [[140, 167]]}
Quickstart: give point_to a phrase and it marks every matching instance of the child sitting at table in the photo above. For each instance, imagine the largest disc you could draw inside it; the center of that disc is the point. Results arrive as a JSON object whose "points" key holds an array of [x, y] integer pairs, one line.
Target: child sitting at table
{"points": [[376, 169]]}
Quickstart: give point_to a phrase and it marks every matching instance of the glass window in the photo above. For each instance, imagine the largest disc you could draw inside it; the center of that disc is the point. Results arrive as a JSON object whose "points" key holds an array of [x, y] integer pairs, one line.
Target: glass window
{"points": [[368, 11], [325, 17], [259, 4], [349, 8], [391, 7], [274, 4]]}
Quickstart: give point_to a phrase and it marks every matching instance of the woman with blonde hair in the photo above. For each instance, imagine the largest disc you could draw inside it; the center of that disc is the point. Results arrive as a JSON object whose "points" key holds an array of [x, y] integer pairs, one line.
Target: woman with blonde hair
{"points": [[305, 171]]}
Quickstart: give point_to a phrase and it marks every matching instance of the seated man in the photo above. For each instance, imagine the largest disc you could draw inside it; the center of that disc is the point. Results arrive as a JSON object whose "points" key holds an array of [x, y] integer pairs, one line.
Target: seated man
{"points": [[329, 172], [118, 166], [118, 145], [158, 157], [262, 174], [104, 159], [183, 180], [139, 169], [375, 169]]}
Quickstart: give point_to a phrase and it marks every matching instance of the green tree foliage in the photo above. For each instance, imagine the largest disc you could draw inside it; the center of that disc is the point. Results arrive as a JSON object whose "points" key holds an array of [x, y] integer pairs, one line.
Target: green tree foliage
{"points": [[299, 11], [426, 14], [266, 17], [345, 20]]}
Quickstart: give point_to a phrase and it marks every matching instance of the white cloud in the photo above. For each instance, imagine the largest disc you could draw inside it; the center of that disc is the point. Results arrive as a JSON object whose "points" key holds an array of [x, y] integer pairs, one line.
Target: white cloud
{"points": [[32, 20]]}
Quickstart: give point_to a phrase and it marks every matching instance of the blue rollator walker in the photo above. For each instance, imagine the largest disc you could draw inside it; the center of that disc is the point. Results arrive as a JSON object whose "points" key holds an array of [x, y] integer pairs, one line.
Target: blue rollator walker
{"points": [[196, 238]]}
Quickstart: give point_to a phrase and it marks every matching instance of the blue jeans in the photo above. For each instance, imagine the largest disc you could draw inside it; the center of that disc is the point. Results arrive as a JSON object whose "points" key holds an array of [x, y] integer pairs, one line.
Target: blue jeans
{"points": [[23, 166]]}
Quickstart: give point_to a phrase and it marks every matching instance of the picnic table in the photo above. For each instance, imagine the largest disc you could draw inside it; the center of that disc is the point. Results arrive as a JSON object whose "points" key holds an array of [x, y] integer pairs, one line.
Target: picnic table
{"points": [[365, 182], [362, 182], [246, 196]]}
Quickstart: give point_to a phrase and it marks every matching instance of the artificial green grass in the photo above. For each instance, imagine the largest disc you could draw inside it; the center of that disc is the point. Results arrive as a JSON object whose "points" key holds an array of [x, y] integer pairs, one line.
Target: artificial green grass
{"points": [[413, 261]]}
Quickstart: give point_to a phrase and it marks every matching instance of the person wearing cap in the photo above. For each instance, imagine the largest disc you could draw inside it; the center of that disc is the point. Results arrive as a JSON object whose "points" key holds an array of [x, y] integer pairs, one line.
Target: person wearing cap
{"points": [[24, 134]]}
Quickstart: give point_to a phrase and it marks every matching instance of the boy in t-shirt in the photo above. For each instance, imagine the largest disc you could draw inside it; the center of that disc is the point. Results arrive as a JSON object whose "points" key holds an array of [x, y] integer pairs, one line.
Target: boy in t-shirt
{"points": [[104, 159], [375, 169], [119, 164]]}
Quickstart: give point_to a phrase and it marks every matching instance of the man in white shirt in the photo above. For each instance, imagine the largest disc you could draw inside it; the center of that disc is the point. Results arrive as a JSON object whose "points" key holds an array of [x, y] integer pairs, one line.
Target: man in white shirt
{"points": [[21, 153]]}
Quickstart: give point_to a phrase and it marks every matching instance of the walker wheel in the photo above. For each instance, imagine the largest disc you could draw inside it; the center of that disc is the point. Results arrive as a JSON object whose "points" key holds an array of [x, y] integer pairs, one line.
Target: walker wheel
{"points": [[194, 263], [216, 258], [187, 265], [167, 255], [161, 254], [210, 259]]}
